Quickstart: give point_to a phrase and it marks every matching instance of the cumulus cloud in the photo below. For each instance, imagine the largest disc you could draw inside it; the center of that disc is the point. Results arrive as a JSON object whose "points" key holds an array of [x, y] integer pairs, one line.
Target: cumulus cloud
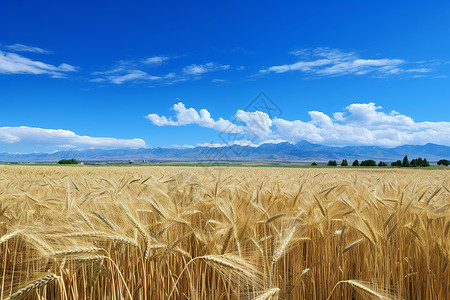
{"points": [[25, 48], [358, 124], [60, 138], [334, 62], [187, 116], [12, 63], [257, 123], [363, 124]]}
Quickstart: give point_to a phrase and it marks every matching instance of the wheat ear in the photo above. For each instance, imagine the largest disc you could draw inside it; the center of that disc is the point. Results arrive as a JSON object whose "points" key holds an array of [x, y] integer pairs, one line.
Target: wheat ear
{"points": [[142, 233], [9, 236], [268, 294], [75, 251], [103, 235], [283, 245], [24, 292], [364, 290]]}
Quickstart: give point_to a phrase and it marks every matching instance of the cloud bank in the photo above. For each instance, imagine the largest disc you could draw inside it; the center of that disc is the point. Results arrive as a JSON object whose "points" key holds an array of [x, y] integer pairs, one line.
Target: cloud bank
{"points": [[59, 138], [359, 124]]}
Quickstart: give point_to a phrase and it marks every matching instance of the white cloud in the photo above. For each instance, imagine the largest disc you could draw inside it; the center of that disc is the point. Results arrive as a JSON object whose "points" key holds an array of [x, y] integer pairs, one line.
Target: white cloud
{"points": [[334, 62], [132, 75], [97, 80], [304, 66], [11, 63], [274, 141], [155, 60], [218, 80], [363, 124], [418, 70], [179, 147], [257, 123], [245, 143], [129, 71], [62, 139], [25, 48], [359, 124], [211, 145], [187, 116], [137, 71], [201, 69]]}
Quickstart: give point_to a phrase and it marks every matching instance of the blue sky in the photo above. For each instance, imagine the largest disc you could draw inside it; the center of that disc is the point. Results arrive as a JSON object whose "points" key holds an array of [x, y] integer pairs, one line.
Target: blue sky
{"points": [[113, 74]]}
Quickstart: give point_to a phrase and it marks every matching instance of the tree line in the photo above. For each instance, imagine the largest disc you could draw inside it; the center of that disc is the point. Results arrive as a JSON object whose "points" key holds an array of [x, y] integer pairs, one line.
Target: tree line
{"points": [[416, 162]]}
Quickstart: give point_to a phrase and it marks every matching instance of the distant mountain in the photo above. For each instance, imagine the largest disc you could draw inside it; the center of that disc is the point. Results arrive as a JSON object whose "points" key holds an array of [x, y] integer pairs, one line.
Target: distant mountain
{"points": [[282, 152]]}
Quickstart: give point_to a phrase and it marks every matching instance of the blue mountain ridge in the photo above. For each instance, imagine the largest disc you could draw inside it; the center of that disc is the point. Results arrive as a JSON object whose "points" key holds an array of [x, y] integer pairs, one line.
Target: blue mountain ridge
{"points": [[302, 151]]}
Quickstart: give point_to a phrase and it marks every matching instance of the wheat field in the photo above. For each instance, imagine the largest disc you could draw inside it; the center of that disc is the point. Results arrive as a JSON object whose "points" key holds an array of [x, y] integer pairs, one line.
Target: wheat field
{"points": [[223, 233]]}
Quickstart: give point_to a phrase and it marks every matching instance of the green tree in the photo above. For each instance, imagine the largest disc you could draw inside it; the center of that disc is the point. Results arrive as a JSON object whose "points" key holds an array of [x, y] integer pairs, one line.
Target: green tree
{"points": [[399, 163], [382, 164], [72, 161], [344, 163], [332, 163], [369, 163], [420, 162], [405, 162], [314, 163], [355, 163], [444, 162]]}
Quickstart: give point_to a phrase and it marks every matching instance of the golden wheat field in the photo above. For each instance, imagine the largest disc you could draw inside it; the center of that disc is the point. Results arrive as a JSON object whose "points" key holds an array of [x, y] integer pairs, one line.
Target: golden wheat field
{"points": [[223, 233]]}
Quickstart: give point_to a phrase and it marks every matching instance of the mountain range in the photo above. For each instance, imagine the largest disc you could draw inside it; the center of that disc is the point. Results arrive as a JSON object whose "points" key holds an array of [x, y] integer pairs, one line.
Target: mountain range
{"points": [[282, 152]]}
